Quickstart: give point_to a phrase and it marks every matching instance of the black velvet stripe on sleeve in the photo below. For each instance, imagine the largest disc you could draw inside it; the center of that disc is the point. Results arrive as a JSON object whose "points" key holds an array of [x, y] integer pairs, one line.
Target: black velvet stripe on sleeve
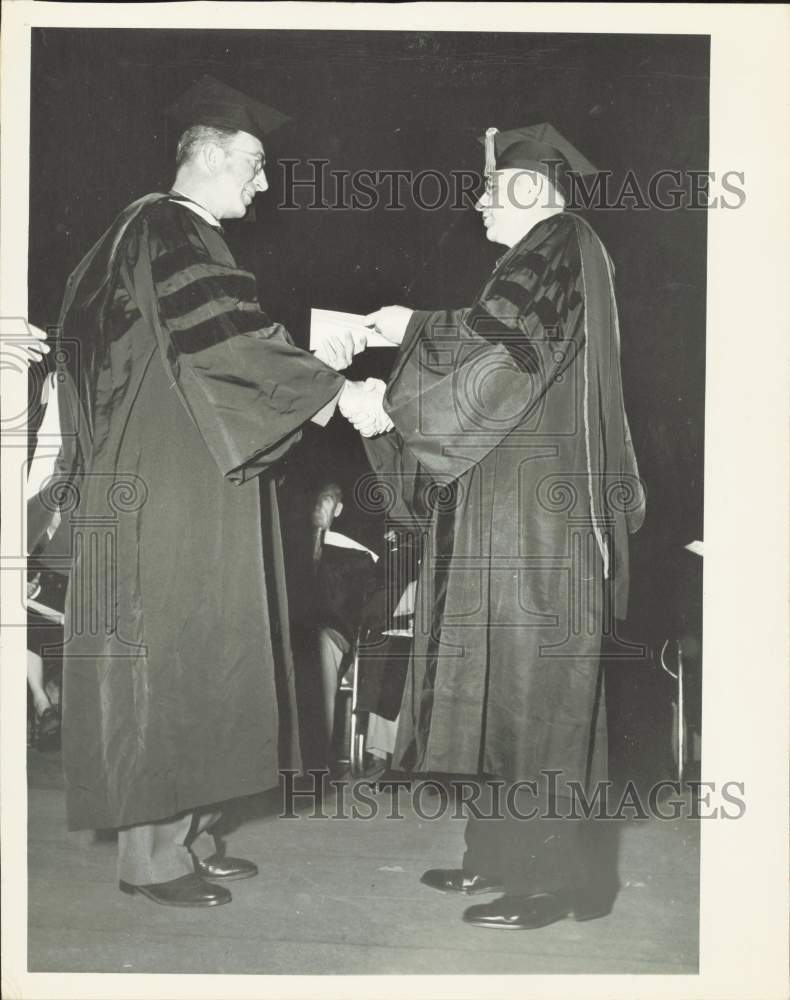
{"points": [[514, 292], [215, 329], [535, 262], [173, 260], [194, 286], [540, 283], [496, 332]]}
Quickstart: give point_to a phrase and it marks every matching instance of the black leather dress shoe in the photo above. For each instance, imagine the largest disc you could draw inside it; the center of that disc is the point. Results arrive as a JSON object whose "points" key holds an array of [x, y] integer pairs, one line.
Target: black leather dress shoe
{"points": [[225, 868], [525, 913], [457, 880], [189, 890]]}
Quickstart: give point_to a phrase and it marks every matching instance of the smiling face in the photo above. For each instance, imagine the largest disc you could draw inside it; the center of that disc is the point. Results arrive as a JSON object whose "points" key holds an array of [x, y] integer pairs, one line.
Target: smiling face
{"points": [[239, 176]]}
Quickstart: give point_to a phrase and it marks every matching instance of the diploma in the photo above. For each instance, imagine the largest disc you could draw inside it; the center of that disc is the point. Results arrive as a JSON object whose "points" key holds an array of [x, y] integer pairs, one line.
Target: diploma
{"points": [[326, 322]]}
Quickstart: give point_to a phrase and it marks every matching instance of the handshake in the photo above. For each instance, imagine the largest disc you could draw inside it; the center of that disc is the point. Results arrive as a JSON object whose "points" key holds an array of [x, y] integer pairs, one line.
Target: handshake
{"points": [[362, 403]]}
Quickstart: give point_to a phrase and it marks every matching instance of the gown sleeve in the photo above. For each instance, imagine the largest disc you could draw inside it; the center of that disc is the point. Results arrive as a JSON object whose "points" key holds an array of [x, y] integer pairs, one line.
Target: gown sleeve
{"points": [[246, 386], [465, 378]]}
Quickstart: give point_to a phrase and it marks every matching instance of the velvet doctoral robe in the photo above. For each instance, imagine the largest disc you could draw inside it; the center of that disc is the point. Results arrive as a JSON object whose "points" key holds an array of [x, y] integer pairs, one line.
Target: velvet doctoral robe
{"points": [[511, 439], [178, 395]]}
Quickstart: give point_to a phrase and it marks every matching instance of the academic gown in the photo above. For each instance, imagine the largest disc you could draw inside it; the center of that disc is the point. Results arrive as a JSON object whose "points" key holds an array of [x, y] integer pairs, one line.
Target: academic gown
{"points": [[344, 579], [511, 440], [178, 396]]}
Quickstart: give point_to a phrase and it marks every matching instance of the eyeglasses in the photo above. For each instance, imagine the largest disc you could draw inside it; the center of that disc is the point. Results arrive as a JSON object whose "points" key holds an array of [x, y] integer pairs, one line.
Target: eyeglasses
{"points": [[260, 161]]}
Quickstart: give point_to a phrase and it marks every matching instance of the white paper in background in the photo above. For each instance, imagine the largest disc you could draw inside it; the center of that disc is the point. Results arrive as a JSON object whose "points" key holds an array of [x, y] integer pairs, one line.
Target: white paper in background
{"points": [[326, 322], [46, 612], [344, 542], [406, 603], [695, 547]]}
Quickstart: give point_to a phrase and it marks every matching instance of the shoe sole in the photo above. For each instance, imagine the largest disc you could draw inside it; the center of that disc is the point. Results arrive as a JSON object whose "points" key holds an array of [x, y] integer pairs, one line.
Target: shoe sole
{"points": [[134, 890], [579, 918], [228, 878], [463, 892]]}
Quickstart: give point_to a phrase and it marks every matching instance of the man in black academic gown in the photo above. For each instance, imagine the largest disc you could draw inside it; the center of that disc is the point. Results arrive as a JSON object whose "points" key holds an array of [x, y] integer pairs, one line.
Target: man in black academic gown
{"points": [[510, 414], [181, 396]]}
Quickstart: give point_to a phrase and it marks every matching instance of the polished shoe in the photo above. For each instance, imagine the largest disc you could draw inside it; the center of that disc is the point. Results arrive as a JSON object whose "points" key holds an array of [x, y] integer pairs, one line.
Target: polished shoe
{"points": [[524, 913], [457, 880], [189, 890], [225, 868]]}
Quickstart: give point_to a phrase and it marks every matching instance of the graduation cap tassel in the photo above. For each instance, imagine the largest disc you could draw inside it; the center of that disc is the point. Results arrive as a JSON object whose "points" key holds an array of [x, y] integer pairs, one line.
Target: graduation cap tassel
{"points": [[490, 166]]}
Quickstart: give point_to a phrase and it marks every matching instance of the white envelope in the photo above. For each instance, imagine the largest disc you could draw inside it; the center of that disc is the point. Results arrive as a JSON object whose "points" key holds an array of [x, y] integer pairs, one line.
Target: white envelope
{"points": [[325, 322]]}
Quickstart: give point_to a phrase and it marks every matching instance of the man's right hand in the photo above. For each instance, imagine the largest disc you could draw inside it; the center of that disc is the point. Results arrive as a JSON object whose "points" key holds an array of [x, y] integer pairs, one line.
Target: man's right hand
{"points": [[391, 322], [361, 404]]}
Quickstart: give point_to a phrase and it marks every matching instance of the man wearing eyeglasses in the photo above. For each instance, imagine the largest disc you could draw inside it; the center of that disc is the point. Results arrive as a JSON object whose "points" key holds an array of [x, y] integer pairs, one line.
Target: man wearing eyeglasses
{"points": [[180, 399], [222, 171]]}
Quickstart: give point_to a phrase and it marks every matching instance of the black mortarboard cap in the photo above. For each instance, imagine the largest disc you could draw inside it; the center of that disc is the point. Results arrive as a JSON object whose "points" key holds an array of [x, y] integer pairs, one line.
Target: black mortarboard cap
{"points": [[211, 102], [535, 147]]}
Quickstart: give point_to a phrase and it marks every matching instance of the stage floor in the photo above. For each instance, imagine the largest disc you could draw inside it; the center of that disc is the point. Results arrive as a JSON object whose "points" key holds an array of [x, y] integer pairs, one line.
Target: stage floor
{"points": [[340, 897]]}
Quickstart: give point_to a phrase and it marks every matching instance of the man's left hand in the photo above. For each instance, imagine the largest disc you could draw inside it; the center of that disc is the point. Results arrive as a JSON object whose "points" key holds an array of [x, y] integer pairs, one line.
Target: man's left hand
{"points": [[390, 322]]}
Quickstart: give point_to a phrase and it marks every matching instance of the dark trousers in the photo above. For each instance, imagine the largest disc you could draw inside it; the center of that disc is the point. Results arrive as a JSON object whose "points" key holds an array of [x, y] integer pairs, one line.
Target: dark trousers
{"points": [[547, 853], [150, 853]]}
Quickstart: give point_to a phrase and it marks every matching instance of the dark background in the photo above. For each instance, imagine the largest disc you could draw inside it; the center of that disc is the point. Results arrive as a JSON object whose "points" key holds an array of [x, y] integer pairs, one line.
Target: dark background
{"points": [[408, 100]]}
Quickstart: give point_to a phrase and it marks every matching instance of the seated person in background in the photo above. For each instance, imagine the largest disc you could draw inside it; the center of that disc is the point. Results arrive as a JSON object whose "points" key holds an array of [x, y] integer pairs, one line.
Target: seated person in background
{"points": [[46, 592], [45, 697], [344, 576], [46, 583], [387, 632], [28, 346]]}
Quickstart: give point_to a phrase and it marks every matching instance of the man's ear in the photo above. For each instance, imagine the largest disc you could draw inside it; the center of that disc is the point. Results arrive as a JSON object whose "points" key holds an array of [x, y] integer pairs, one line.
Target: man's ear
{"points": [[545, 194], [554, 198], [338, 508], [213, 156], [526, 189]]}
